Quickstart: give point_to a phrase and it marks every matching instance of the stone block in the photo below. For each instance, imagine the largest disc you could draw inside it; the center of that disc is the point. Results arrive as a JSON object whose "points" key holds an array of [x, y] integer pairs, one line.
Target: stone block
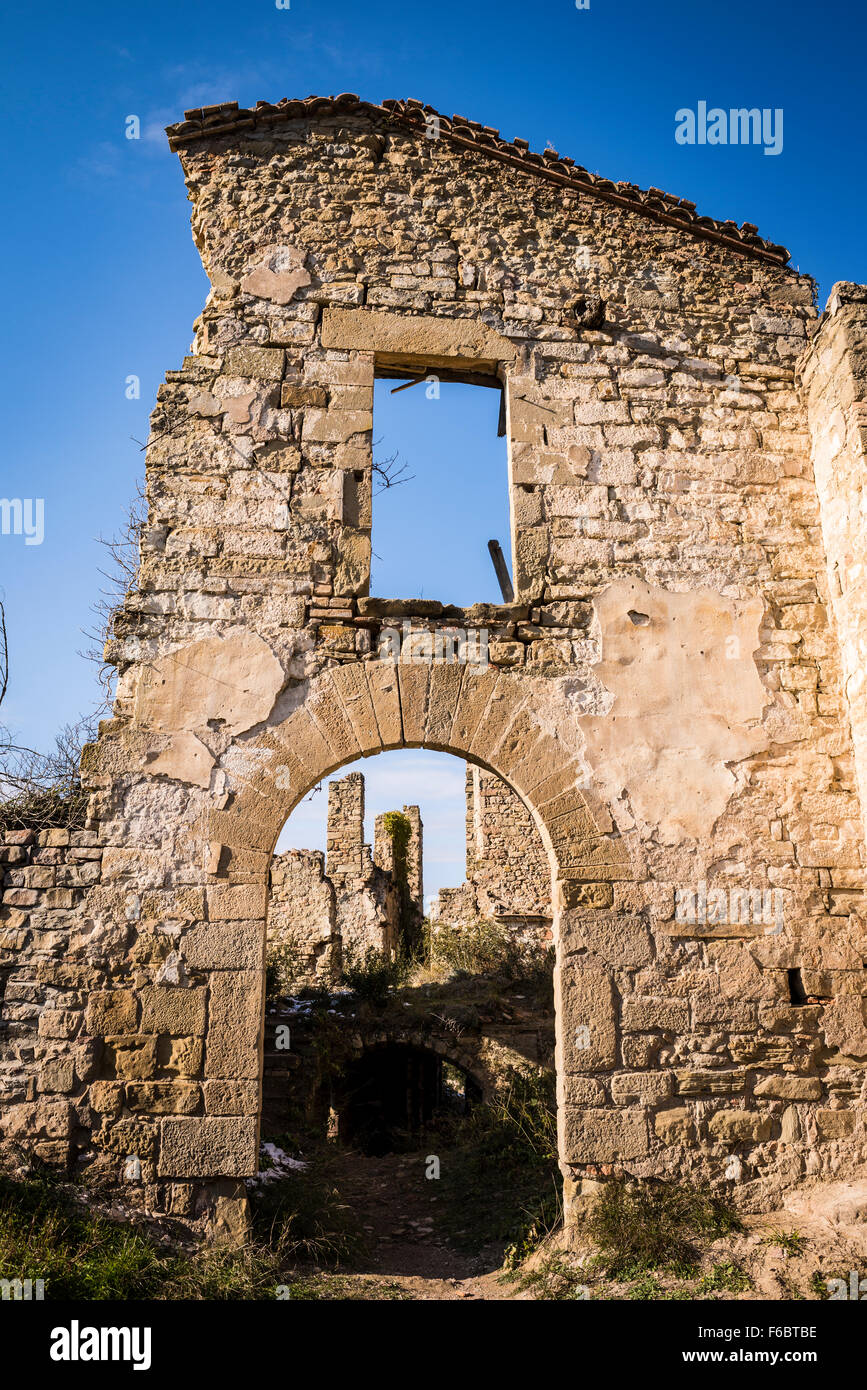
{"points": [[56, 1075], [235, 1013], [231, 1097], [224, 945], [790, 1087], [208, 1147], [588, 1018], [604, 1136], [645, 1015], [640, 1088], [179, 1056], [163, 1097], [236, 901], [264, 363], [111, 1011], [835, 1124], [168, 1009], [740, 1127], [675, 1127], [130, 1057]]}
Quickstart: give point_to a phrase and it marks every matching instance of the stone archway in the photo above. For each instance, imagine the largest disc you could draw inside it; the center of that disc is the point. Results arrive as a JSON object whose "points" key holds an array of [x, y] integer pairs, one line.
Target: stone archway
{"points": [[365, 708]]}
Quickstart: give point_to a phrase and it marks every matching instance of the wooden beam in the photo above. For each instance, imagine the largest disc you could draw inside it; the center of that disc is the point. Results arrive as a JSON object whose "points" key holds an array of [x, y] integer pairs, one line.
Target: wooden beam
{"points": [[502, 571]]}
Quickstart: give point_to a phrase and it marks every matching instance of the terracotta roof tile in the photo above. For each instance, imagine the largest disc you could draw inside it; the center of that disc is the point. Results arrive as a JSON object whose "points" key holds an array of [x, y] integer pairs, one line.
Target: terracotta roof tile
{"points": [[208, 122]]}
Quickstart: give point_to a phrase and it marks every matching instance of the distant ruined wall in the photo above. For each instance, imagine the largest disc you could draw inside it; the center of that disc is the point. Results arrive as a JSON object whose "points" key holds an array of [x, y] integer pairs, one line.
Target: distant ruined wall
{"points": [[302, 915], [345, 834], [331, 911], [508, 872]]}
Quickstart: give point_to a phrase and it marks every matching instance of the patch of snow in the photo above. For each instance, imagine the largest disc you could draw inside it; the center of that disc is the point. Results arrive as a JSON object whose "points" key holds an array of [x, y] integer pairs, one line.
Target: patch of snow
{"points": [[277, 1165]]}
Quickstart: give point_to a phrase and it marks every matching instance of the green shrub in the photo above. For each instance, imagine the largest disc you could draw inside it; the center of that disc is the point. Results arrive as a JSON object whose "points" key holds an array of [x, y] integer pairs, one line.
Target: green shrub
{"points": [[375, 975], [485, 947], [654, 1225]]}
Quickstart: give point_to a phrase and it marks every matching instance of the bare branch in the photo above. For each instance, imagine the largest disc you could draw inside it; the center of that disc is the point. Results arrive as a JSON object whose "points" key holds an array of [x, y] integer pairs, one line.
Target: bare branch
{"points": [[389, 474], [4, 654], [120, 577]]}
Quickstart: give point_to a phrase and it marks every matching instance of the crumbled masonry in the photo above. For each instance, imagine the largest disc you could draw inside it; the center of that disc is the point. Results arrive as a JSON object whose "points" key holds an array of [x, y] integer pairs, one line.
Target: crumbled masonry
{"points": [[327, 911], [677, 694]]}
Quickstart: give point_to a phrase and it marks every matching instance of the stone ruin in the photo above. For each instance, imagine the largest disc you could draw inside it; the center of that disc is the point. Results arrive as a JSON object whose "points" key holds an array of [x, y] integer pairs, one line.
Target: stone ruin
{"points": [[327, 909], [676, 692], [326, 912], [508, 875]]}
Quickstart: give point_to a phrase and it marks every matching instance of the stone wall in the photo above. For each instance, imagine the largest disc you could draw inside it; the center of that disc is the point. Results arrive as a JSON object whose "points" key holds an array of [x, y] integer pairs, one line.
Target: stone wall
{"points": [[302, 916], [52, 969], [345, 837], [508, 872], [667, 693], [329, 912], [834, 385]]}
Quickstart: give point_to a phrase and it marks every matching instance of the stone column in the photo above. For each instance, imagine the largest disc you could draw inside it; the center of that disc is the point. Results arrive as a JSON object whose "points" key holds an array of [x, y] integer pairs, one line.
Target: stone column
{"points": [[346, 826], [414, 867]]}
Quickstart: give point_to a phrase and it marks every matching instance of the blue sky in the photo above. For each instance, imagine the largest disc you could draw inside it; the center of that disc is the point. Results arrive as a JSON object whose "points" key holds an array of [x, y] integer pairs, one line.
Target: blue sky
{"points": [[103, 281]]}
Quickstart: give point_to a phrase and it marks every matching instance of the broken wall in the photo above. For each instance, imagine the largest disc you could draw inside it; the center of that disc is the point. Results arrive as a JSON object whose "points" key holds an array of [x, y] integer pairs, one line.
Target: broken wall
{"points": [[508, 871], [666, 694]]}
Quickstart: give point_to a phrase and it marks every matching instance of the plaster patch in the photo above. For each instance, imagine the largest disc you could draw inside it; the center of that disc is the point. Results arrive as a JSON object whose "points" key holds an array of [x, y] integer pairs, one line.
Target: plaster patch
{"points": [[185, 759], [232, 681], [688, 700], [279, 275]]}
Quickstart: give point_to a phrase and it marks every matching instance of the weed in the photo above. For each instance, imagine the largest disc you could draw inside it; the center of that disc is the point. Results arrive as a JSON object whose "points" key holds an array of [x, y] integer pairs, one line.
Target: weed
{"points": [[790, 1242], [726, 1277], [375, 975], [648, 1226], [284, 967], [501, 1182]]}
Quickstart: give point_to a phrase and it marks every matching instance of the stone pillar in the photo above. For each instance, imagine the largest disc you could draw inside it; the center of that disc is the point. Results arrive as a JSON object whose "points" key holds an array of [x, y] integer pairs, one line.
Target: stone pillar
{"points": [[345, 841], [414, 868], [475, 841], [383, 845], [834, 378]]}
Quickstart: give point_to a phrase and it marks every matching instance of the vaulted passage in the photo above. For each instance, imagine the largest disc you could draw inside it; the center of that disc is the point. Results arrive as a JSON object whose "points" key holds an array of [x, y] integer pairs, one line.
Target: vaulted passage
{"points": [[390, 1095]]}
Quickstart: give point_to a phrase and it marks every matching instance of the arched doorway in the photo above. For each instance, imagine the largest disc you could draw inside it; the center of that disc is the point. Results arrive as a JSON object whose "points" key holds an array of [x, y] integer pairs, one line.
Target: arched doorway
{"points": [[483, 716]]}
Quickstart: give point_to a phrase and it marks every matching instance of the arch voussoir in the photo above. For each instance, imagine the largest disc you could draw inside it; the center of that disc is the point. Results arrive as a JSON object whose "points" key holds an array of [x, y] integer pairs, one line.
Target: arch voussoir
{"points": [[350, 683]]}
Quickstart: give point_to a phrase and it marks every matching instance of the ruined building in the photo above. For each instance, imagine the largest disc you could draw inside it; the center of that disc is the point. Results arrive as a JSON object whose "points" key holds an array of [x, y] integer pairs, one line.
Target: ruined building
{"points": [[508, 875], [676, 693], [329, 911]]}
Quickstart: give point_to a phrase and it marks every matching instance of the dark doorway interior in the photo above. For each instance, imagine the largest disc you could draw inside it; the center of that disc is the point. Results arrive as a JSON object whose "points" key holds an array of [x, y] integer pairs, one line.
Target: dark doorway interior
{"points": [[392, 1093]]}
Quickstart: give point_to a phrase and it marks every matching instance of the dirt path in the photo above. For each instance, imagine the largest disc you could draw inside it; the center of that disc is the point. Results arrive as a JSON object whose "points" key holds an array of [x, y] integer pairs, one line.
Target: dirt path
{"points": [[397, 1205]]}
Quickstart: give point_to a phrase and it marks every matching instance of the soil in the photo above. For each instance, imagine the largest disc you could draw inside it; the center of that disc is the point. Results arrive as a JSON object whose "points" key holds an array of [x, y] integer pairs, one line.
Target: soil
{"points": [[408, 1258], [397, 1206]]}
